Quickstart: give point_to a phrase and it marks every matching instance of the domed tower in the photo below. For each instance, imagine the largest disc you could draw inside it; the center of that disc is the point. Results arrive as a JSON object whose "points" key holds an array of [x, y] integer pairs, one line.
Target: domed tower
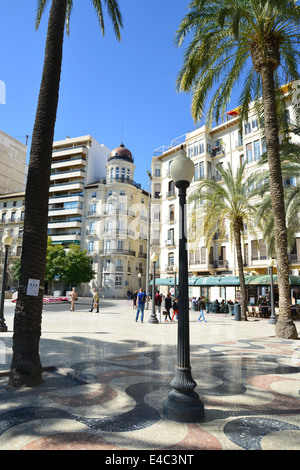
{"points": [[120, 167]]}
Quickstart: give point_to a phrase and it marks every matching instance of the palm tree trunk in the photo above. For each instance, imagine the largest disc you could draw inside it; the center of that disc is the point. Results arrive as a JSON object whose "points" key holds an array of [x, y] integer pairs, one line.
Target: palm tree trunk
{"points": [[26, 368], [239, 257], [285, 327]]}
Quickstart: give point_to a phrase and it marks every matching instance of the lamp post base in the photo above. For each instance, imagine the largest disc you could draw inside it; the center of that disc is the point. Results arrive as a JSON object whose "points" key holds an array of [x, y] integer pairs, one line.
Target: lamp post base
{"points": [[3, 327], [272, 321], [183, 407], [152, 319]]}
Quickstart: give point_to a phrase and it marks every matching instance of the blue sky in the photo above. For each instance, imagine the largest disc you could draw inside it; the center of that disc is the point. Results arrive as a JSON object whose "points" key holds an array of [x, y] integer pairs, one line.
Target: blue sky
{"points": [[111, 90]]}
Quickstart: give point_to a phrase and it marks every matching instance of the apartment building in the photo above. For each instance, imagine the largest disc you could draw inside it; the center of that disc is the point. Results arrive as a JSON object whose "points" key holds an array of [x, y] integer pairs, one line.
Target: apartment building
{"points": [[116, 221], [76, 162], [209, 148], [93, 202]]}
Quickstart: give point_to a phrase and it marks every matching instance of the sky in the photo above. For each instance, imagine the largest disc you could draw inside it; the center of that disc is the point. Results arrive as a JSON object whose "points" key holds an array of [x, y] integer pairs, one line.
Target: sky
{"points": [[114, 91]]}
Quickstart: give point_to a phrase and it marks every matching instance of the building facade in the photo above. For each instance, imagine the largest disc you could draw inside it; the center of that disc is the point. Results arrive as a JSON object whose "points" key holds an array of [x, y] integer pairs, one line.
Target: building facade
{"points": [[116, 221], [209, 148], [13, 168], [93, 202]]}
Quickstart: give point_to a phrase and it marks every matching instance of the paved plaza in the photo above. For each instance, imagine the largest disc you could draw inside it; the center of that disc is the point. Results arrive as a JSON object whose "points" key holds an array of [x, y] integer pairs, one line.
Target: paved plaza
{"points": [[106, 378]]}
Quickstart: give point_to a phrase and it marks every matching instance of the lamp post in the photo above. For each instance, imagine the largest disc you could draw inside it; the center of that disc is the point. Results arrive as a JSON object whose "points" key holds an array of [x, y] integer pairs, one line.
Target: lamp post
{"points": [[6, 241], [183, 403], [272, 320], [153, 318], [148, 239]]}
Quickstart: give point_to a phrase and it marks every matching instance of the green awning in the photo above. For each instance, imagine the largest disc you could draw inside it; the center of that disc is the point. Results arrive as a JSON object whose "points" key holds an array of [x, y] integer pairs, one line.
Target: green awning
{"points": [[266, 280], [226, 281]]}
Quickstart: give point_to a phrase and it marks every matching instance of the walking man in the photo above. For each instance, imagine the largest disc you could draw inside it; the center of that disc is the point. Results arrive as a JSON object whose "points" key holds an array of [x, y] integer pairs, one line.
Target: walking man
{"points": [[202, 309], [141, 299]]}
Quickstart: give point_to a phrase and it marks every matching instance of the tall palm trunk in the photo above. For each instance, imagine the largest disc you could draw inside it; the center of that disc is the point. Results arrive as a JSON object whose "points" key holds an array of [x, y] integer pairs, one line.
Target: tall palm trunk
{"points": [[285, 327], [239, 257], [26, 369]]}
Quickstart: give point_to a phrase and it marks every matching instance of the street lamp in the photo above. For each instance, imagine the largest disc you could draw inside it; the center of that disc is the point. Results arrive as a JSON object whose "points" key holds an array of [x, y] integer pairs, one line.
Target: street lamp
{"points": [[153, 318], [6, 241], [148, 238], [183, 403], [272, 320]]}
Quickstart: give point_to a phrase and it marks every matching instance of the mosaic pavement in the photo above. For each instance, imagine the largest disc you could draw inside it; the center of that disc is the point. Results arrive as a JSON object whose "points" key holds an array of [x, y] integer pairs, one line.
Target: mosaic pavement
{"points": [[250, 389]]}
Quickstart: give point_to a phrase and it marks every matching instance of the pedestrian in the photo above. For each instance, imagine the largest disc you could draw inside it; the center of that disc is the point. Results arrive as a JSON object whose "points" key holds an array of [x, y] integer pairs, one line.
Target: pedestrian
{"points": [[134, 297], [168, 306], [95, 303], [73, 297], [175, 309], [202, 309], [141, 300], [158, 302]]}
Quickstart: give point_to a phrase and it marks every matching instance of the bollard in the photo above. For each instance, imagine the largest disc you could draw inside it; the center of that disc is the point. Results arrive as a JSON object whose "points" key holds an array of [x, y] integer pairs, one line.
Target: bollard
{"points": [[237, 312]]}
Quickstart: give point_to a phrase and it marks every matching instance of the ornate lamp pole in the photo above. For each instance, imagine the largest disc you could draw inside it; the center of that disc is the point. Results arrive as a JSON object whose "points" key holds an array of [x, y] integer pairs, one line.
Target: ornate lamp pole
{"points": [[272, 320], [153, 318], [6, 241], [183, 403]]}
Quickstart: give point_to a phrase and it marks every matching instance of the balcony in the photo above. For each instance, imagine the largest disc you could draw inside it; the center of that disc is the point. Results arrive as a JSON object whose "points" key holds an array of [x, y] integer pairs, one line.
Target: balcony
{"points": [[62, 175], [117, 251], [221, 264]]}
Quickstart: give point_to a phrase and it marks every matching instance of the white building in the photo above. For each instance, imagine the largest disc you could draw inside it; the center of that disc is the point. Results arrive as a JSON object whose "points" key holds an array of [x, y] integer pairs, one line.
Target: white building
{"points": [[76, 162], [209, 148], [116, 220]]}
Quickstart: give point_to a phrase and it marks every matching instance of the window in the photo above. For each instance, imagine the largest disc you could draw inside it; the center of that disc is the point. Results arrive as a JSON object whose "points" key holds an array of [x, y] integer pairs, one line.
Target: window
{"points": [[13, 216], [90, 247], [157, 172], [254, 123], [117, 173], [290, 181], [120, 245], [196, 173], [257, 152], [106, 280], [93, 208], [209, 174], [112, 174], [3, 217], [171, 259], [170, 240], [123, 174], [128, 173], [203, 255], [107, 265], [118, 281], [171, 213], [94, 194], [201, 170], [92, 228], [249, 153], [247, 127]]}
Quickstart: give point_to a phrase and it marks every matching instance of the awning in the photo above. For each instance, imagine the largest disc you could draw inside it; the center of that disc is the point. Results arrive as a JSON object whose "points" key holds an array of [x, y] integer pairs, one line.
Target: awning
{"points": [[214, 281], [226, 281], [266, 280]]}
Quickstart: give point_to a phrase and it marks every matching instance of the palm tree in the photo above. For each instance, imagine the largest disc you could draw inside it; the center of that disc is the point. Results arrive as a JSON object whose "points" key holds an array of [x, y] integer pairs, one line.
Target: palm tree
{"points": [[26, 366], [228, 200], [290, 169], [254, 40]]}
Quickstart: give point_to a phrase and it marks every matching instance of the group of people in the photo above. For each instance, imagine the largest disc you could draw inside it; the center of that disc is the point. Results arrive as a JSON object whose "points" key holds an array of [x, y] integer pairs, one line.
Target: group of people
{"points": [[95, 301]]}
